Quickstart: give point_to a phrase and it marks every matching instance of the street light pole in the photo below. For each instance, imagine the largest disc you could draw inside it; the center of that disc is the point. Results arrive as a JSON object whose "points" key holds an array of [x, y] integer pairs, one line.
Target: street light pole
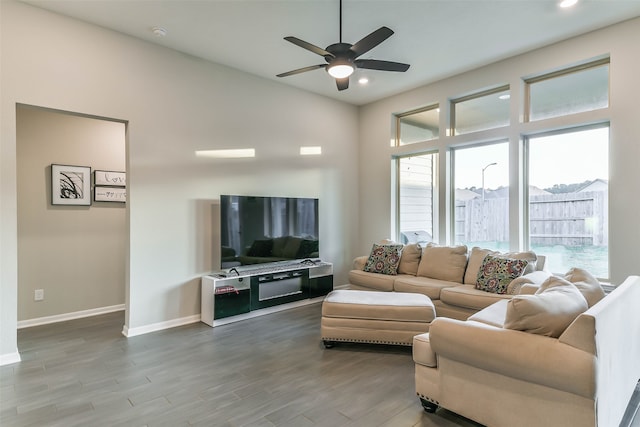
{"points": [[483, 169]]}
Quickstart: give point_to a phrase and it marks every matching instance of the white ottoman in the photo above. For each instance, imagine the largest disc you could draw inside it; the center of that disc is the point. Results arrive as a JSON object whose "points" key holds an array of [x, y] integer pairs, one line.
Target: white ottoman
{"points": [[374, 317]]}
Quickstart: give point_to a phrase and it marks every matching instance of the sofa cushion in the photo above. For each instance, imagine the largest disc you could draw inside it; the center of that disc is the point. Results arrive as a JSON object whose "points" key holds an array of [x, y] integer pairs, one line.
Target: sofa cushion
{"points": [[467, 296], [493, 315], [549, 311], [443, 262], [379, 282], [496, 273], [410, 259], [384, 259], [588, 285], [422, 285]]}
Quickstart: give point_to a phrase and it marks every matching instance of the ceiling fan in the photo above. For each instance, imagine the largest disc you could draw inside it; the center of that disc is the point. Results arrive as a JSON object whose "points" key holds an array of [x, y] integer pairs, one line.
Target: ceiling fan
{"points": [[342, 58]]}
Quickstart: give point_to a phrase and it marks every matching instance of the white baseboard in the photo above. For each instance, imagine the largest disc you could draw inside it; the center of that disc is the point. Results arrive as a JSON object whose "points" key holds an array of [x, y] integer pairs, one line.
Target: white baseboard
{"points": [[141, 330], [8, 359], [69, 316]]}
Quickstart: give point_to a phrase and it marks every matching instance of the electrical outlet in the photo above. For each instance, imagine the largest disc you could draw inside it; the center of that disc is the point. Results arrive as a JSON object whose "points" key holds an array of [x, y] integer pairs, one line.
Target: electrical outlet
{"points": [[38, 295]]}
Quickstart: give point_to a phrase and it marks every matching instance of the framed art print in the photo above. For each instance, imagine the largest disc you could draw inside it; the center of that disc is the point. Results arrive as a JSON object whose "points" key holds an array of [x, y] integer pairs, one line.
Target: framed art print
{"points": [[109, 194], [113, 178], [70, 185]]}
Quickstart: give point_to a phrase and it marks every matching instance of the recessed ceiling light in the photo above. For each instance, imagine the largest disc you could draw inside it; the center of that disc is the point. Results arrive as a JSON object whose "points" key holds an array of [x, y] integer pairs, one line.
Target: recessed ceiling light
{"points": [[568, 3], [504, 96], [159, 31], [363, 80]]}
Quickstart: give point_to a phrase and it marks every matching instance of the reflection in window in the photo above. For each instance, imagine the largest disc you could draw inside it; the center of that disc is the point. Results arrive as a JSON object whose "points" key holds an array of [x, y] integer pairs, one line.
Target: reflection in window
{"points": [[572, 91], [418, 126], [481, 210], [487, 110], [568, 200], [416, 175]]}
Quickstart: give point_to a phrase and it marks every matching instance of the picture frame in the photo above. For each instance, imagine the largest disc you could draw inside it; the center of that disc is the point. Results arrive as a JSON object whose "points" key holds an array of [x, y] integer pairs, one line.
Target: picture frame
{"points": [[70, 185], [109, 194], [110, 178]]}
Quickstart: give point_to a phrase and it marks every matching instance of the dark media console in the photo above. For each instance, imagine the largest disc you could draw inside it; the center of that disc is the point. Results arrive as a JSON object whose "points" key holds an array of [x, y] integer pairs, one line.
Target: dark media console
{"points": [[243, 290]]}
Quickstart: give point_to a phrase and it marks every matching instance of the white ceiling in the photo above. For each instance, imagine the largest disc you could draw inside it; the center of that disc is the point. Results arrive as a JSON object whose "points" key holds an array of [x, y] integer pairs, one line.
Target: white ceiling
{"points": [[439, 38]]}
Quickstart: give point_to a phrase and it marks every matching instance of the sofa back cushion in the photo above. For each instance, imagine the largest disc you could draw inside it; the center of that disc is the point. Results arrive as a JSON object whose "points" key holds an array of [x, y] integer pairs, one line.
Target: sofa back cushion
{"points": [[476, 256], [410, 259], [549, 311], [588, 285], [443, 262]]}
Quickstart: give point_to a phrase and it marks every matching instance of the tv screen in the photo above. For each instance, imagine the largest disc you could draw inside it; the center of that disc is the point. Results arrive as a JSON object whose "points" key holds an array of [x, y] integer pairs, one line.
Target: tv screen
{"points": [[256, 230]]}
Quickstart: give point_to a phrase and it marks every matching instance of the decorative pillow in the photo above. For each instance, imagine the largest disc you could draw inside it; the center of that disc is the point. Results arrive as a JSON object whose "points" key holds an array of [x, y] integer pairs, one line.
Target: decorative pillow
{"points": [[260, 248], [475, 261], [529, 256], [497, 272], [384, 259], [443, 262], [410, 259], [549, 311], [589, 286]]}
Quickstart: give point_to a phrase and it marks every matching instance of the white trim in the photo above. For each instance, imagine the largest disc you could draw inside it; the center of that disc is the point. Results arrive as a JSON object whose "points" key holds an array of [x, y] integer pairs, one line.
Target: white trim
{"points": [[268, 310], [69, 316], [9, 358], [141, 330]]}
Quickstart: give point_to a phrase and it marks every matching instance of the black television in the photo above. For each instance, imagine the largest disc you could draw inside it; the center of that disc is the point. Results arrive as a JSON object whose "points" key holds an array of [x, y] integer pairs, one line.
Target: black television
{"points": [[259, 229]]}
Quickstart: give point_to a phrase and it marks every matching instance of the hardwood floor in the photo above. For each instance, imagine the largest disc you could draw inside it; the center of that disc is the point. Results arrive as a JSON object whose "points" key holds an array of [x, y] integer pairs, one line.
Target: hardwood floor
{"points": [[266, 371]]}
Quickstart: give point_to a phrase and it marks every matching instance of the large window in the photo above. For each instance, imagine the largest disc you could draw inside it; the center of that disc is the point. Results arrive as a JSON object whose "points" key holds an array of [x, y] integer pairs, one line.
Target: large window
{"points": [[554, 153], [568, 199], [416, 191], [481, 210]]}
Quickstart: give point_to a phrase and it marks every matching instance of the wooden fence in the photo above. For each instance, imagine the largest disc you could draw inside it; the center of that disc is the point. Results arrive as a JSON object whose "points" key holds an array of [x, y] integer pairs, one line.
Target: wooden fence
{"points": [[569, 219]]}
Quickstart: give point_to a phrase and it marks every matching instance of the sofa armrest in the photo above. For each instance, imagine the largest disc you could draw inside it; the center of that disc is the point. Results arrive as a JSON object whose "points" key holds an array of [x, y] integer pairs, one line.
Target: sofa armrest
{"points": [[360, 262], [520, 355]]}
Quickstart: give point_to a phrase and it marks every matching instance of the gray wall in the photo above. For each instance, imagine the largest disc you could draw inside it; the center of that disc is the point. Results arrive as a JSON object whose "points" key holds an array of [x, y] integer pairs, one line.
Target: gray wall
{"points": [[76, 254], [174, 104]]}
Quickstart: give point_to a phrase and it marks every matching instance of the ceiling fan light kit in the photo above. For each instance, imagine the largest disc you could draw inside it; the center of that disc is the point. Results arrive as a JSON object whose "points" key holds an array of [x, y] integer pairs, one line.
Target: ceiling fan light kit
{"points": [[341, 58]]}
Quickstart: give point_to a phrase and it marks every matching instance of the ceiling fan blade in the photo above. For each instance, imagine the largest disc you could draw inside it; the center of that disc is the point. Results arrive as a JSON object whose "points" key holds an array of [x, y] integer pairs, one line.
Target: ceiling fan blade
{"points": [[342, 83], [371, 41], [374, 64], [305, 45], [301, 70]]}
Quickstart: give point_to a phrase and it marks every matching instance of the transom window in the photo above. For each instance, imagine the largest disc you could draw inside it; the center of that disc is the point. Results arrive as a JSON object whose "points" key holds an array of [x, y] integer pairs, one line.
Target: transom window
{"points": [[418, 125]]}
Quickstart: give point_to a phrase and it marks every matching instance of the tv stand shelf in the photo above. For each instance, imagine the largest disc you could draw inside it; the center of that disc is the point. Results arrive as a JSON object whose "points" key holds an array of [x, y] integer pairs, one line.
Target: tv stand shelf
{"points": [[234, 293]]}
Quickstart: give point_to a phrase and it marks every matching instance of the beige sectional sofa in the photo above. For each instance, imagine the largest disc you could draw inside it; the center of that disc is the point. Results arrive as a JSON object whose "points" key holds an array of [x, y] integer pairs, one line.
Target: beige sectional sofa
{"points": [[556, 358], [448, 276]]}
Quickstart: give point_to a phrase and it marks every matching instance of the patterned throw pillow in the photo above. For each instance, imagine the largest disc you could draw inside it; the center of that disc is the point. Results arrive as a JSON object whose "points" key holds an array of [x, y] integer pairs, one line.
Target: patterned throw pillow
{"points": [[496, 273], [384, 259]]}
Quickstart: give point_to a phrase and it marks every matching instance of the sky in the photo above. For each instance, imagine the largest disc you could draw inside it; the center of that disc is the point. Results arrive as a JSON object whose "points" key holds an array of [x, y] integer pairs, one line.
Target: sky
{"points": [[556, 159]]}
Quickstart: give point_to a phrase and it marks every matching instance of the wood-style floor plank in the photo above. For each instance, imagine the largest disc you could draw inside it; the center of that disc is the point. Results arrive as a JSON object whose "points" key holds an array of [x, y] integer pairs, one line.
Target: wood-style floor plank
{"points": [[262, 372]]}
